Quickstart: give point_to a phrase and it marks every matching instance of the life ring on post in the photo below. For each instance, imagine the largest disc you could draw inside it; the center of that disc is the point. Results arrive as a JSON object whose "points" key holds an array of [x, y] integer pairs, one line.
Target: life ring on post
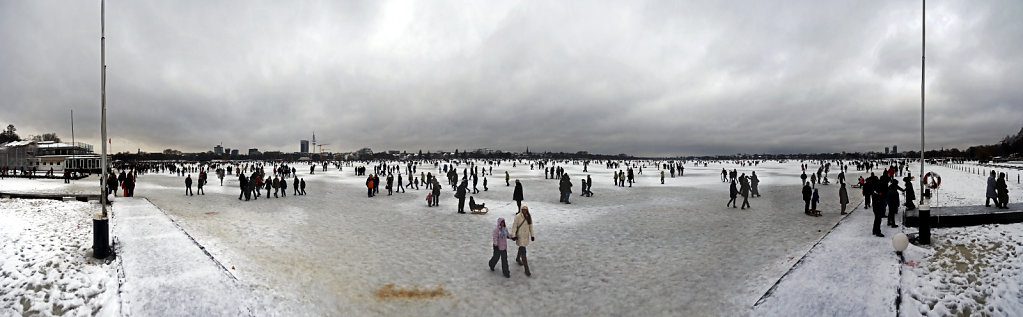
{"points": [[934, 180]]}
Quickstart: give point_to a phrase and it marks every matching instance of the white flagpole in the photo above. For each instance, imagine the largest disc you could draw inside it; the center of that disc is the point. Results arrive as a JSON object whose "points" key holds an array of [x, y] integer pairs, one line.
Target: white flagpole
{"points": [[103, 83]]}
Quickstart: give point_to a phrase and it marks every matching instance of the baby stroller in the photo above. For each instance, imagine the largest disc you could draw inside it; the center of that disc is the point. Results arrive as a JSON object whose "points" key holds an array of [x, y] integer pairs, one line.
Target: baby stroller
{"points": [[480, 209]]}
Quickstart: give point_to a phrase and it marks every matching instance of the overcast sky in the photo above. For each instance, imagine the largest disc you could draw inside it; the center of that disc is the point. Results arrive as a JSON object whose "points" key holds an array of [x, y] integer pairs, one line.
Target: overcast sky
{"points": [[640, 77]]}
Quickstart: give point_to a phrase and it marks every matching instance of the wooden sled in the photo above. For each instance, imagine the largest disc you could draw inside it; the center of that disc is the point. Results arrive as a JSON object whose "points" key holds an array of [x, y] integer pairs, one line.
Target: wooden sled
{"points": [[481, 211]]}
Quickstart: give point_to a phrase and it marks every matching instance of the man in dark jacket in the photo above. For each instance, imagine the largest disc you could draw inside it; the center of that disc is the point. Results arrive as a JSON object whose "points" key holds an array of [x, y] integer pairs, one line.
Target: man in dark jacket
{"points": [[129, 185], [460, 194], [807, 194], [188, 185], [566, 188], [878, 198], [868, 190], [892, 199], [243, 184], [517, 194], [436, 192]]}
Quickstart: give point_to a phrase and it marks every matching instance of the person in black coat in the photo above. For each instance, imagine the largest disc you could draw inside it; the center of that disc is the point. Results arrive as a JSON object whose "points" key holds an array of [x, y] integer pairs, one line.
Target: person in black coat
{"points": [[243, 184], [112, 184], [436, 192], [1003, 192], [517, 194], [460, 194], [892, 199], [733, 192], [565, 187], [188, 185], [910, 195], [807, 194], [878, 198], [129, 185], [868, 190]]}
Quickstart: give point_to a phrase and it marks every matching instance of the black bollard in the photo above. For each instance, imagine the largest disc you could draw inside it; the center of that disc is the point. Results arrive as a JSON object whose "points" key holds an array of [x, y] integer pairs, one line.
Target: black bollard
{"points": [[101, 238], [925, 218]]}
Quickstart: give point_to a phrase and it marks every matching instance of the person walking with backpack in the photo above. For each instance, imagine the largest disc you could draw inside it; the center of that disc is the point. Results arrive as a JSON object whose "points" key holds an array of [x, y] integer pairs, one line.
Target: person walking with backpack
{"points": [[522, 233]]}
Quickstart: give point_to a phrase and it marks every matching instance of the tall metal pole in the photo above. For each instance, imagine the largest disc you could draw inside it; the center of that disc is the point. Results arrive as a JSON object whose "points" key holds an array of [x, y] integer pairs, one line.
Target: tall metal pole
{"points": [[923, 54], [924, 236], [73, 144], [103, 83]]}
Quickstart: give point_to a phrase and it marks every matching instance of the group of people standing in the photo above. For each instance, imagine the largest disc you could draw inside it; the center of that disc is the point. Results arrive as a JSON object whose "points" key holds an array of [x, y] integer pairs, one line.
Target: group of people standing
{"points": [[748, 185], [997, 190], [252, 185], [126, 181]]}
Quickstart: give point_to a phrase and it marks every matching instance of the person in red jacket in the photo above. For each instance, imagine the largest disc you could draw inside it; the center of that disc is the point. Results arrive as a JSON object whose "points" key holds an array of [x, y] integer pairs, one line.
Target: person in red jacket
{"points": [[369, 185]]}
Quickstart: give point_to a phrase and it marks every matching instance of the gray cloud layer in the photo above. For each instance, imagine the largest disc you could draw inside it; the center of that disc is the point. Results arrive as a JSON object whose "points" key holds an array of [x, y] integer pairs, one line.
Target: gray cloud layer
{"points": [[652, 77]]}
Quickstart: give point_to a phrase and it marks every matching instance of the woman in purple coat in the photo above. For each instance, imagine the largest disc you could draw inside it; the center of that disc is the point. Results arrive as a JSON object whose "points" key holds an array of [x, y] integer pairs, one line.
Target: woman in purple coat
{"points": [[500, 236]]}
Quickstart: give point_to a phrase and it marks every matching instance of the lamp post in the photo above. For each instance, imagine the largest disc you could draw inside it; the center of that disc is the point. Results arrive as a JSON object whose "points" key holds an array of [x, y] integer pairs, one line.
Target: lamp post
{"points": [[101, 224]]}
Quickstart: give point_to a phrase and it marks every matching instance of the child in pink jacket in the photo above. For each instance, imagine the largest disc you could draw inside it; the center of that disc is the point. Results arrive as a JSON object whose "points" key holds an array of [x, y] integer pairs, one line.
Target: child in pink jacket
{"points": [[500, 236]]}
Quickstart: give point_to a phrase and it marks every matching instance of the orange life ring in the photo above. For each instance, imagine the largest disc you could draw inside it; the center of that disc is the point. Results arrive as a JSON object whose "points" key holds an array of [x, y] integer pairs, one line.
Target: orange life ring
{"points": [[935, 182]]}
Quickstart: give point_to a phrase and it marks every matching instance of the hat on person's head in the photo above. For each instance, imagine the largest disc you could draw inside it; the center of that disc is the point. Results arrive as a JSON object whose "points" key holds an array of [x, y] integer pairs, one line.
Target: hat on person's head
{"points": [[524, 208]]}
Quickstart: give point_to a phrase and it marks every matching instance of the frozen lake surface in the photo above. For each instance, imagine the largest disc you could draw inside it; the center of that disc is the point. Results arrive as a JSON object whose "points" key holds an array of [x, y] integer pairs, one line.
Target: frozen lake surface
{"points": [[650, 249]]}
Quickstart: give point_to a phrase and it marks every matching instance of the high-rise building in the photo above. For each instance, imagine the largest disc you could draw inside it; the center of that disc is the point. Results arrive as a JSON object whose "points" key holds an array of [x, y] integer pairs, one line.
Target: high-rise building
{"points": [[304, 146], [218, 150], [886, 151], [227, 151], [234, 152], [254, 152], [895, 149]]}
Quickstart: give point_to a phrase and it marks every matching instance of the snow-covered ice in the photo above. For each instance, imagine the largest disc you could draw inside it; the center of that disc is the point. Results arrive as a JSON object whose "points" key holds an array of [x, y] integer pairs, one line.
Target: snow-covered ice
{"points": [[46, 266], [653, 249], [164, 271]]}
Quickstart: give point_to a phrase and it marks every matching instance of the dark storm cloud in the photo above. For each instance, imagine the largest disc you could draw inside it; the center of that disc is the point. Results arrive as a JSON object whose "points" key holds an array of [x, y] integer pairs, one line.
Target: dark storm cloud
{"points": [[654, 78]]}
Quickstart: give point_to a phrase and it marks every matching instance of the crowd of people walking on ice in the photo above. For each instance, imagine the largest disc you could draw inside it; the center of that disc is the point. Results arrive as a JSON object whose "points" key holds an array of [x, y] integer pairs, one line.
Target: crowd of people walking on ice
{"points": [[881, 193]]}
